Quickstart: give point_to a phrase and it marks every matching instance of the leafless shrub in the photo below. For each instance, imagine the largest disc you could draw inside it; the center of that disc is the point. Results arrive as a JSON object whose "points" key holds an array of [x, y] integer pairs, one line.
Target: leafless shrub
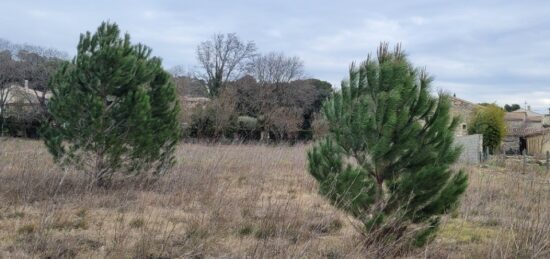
{"points": [[319, 126]]}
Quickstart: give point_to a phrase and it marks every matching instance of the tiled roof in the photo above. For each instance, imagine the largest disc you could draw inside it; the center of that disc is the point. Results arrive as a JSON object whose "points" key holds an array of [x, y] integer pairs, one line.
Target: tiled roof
{"points": [[538, 132], [513, 116], [529, 113], [523, 114], [17, 93]]}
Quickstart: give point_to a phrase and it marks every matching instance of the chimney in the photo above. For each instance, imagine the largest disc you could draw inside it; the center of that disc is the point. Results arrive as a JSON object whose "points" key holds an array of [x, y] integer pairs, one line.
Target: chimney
{"points": [[26, 84]]}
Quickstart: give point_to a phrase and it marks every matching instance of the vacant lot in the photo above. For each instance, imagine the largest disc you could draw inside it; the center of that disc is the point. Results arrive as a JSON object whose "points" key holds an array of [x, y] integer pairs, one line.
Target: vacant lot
{"points": [[242, 201]]}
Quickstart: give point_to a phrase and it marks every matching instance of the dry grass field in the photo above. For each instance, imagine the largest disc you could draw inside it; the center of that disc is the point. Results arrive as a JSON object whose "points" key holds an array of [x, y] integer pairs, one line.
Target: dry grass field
{"points": [[243, 201]]}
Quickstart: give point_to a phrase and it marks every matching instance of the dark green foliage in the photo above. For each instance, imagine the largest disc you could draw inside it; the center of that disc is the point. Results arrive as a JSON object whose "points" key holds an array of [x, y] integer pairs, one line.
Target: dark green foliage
{"points": [[489, 121], [264, 100], [386, 159], [113, 109], [511, 108], [323, 90]]}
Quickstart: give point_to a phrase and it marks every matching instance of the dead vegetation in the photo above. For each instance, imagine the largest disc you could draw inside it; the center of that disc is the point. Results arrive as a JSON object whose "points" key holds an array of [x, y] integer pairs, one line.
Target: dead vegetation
{"points": [[237, 201]]}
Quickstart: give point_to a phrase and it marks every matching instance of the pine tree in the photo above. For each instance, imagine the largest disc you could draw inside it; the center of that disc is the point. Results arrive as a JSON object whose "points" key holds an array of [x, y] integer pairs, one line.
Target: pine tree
{"points": [[113, 109], [386, 159]]}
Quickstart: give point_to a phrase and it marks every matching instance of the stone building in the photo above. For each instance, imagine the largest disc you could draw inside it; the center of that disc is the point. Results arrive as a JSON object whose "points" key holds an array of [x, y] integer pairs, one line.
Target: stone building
{"points": [[22, 109], [472, 145], [21, 101], [519, 125], [464, 110], [190, 102]]}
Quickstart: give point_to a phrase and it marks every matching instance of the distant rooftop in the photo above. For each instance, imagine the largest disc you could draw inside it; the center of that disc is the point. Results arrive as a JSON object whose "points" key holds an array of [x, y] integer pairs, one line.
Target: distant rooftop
{"points": [[523, 114]]}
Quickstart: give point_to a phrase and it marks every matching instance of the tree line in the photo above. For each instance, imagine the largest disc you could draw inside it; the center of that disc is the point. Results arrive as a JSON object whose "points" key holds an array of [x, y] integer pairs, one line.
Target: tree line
{"points": [[254, 96], [251, 96]]}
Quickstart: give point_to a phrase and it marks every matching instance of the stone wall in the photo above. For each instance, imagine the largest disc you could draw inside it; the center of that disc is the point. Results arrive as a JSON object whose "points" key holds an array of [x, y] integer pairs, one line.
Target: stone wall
{"points": [[472, 148], [511, 144]]}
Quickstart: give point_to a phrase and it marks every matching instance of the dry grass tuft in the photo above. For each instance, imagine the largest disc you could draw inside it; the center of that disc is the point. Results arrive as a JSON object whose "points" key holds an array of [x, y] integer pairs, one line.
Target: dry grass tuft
{"points": [[241, 201]]}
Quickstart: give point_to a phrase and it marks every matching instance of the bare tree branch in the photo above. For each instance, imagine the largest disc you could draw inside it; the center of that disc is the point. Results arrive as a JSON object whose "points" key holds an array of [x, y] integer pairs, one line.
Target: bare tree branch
{"points": [[223, 58], [276, 68], [9, 73], [30, 66]]}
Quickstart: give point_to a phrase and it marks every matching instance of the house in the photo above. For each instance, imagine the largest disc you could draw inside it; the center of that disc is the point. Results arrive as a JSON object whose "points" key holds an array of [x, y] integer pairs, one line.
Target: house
{"points": [[22, 109], [21, 101], [190, 102], [519, 125], [472, 145], [464, 110]]}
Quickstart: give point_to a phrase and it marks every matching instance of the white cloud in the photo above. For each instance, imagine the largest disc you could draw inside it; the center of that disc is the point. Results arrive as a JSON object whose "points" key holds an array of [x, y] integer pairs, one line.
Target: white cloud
{"points": [[484, 51]]}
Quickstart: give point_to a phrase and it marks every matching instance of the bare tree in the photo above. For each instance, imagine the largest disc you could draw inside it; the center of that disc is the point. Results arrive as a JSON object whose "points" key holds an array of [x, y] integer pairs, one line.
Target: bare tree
{"points": [[33, 63], [319, 126], [30, 66], [276, 68], [223, 58], [225, 115], [187, 83], [15, 48], [37, 69], [284, 122], [179, 71], [9, 73]]}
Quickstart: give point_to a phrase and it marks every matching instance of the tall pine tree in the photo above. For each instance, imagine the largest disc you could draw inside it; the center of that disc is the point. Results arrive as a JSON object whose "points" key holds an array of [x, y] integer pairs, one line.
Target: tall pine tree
{"points": [[113, 109], [386, 159]]}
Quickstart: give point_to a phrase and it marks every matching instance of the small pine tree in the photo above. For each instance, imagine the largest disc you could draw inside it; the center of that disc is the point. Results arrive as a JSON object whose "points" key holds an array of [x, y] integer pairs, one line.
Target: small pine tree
{"points": [[386, 159], [489, 121], [113, 109]]}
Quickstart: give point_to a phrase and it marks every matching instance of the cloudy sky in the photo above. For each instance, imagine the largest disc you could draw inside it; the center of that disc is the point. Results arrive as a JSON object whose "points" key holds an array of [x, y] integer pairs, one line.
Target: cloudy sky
{"points": [[484, 51]]}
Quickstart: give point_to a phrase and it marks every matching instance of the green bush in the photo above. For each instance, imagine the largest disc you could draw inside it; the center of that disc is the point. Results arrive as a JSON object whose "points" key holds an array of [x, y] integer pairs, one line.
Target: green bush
{"points": [[489, 121]]}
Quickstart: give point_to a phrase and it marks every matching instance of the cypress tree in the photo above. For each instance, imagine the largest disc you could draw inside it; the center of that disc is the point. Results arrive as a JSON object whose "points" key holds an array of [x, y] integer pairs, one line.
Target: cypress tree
{"points": [[386, 159], [113, 109]]}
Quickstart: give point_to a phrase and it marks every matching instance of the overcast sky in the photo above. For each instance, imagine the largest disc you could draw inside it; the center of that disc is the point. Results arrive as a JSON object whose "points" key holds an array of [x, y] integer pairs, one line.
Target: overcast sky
{"points": [[484, 51]]}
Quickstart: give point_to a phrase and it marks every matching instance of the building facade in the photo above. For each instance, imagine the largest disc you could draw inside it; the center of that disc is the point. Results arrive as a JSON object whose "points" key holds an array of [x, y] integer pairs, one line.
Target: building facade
{"points": [[464, 110], [519, 125]]}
